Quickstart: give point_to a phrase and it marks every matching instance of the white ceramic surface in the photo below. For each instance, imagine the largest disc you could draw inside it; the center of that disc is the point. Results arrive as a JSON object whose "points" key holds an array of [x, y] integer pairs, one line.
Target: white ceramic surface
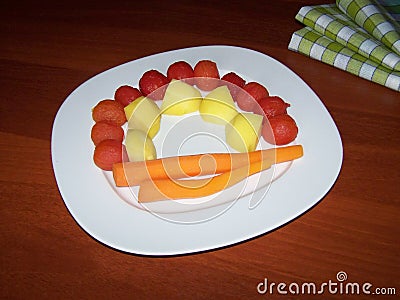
{"points": [[113, 218]]}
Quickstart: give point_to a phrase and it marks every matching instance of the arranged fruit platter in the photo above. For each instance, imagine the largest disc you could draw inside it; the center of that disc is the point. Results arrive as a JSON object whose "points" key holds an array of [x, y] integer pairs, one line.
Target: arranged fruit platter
{"points": [[188, 142], [245, 110]]}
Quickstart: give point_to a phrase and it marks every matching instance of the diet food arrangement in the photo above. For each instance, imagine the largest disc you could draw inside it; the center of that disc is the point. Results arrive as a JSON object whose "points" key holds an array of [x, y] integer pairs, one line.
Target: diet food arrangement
{"points": [[246, 110]]}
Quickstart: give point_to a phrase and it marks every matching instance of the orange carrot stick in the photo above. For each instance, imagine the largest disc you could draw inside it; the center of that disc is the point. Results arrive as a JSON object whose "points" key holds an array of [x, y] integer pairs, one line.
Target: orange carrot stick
{"points": [[133, 173], [167, 188]]}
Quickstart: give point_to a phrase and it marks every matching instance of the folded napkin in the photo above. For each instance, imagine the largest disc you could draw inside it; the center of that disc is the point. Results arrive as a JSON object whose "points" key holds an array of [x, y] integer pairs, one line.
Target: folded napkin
{"points": [[359, 36]]}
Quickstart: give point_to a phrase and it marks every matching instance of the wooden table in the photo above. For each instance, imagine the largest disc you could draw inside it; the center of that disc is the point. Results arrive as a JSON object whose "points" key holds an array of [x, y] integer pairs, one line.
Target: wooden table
{"points": [[49, 48]]}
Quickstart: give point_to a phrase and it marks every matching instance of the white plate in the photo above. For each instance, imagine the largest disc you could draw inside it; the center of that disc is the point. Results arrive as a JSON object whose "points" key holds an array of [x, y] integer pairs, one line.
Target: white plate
{"points": [[100, 210]]}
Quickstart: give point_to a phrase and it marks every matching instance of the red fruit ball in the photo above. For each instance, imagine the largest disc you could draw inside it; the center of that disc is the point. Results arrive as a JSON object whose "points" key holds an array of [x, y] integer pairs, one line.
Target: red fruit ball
{"points": [[273, 106], [280, 130], [126, 94], [105, 131], [109, 111], [252, 92], [234, 78], [109, 152], [180, 70], [153, 84], [207, 75], [237, 83]]}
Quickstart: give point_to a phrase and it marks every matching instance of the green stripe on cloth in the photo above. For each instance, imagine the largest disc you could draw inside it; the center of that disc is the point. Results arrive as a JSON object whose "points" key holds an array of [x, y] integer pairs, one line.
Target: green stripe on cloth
{"points": [[313, 44], [374, 19], [328, 20]]}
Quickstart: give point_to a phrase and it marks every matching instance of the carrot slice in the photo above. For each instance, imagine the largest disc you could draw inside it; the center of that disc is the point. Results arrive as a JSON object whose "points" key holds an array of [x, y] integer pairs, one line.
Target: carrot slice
{"points": [[133, 173], [167, 188]]}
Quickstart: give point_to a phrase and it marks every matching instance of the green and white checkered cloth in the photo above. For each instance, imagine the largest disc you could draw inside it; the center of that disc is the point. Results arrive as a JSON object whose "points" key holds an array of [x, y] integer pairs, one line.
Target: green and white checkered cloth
{"points": [[358, 36]]}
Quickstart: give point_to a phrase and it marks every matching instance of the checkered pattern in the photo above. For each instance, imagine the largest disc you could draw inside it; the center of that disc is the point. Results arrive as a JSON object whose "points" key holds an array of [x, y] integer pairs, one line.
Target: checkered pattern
{"points": [[335, 38], [331, 22], [317, 46], [374, 19]]}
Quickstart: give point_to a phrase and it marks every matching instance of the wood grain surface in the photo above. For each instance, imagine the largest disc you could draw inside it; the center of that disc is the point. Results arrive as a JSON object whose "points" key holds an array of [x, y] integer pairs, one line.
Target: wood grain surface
{"points": [[50, 48]]}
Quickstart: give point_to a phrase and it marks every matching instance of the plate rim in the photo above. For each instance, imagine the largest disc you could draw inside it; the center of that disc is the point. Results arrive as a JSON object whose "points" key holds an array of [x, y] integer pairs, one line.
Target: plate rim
{"points": [[184, 250]]}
